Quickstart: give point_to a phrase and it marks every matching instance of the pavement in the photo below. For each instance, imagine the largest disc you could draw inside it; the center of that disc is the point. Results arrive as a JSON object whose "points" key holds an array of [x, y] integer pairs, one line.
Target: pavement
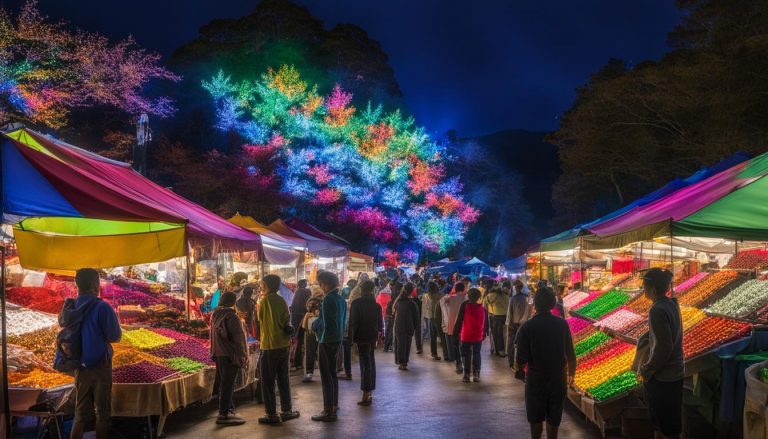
{"points": [[428, 401]]}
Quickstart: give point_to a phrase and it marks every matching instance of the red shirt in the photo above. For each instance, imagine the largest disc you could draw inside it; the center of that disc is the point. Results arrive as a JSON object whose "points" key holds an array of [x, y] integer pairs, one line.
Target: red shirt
{"points": [[473, 324]]}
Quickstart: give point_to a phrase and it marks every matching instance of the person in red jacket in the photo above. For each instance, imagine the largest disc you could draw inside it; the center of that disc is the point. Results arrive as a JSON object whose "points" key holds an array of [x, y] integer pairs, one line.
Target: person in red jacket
{"points": [[470, 328]]}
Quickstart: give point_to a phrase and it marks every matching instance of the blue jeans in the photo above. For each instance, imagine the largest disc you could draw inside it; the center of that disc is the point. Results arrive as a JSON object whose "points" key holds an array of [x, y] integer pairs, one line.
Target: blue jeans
{"points": [[470, 355]]}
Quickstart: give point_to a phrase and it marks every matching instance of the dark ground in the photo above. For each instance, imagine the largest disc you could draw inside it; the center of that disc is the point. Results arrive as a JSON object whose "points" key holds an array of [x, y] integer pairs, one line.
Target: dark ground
{"points": [[429, 401]]}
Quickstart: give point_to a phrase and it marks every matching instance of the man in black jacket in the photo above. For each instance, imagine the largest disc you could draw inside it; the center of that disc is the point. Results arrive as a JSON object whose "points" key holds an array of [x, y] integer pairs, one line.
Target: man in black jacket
{"points": [[298, 309], [365, 327]]}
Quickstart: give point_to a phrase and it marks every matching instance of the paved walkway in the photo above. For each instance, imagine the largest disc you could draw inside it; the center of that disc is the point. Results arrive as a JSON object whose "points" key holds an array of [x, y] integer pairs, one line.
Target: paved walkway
{"points": [[429, 401]]}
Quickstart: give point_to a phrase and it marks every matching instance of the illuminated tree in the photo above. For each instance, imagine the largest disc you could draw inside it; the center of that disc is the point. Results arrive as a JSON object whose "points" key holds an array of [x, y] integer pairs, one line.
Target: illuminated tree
{"points": [[364, 168], [47, 70]]}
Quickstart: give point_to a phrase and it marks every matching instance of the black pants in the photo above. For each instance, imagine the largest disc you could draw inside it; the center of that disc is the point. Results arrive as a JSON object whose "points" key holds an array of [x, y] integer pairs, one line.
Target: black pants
{"points": [[367, 366], [470, 356], [310, 352], [455, 350], [93, 402], [511, 334], [226, 372], [274, 367], [402, 348], [328, 377], [419, 339], [298, 354], [388, 335], [347, 348], [432, 337], [665, 402], [497, 333]]}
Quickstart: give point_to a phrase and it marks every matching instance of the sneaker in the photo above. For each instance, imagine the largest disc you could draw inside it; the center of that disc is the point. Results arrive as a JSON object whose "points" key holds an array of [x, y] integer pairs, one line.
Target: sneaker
{"points": [[419, 351], [272, 419], [307, 378], [436, 358], [345, 377], [325, 416], [405, 367], [459, 370], [229, 419], [476, 378], [465, 379], [287, 416]]}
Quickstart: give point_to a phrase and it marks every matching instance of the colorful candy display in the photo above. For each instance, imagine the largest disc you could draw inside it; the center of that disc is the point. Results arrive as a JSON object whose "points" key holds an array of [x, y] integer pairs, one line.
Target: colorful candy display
{"points": [[700, 292], [184, 365], [192, 349], [710, 333], [614, 386], [145, 339], [613, 365], [606, 350], [22, 320], [124, 355], [620, 320], [576, 324], [742, 301], [604, 304], [749, 260], [574, 299], [21, 359], [583, 333], [690, 317], [42, 342], [591, 342], [38, 379], [640, 305], [142, 372], [40, 299], [693, 280]]}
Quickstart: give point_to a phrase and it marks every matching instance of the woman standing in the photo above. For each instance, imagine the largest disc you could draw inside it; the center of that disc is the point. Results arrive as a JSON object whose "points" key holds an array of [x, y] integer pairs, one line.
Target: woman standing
{"points": [[406, 318], [229, 350], [470, 328], [663, 372], [365, 327]]}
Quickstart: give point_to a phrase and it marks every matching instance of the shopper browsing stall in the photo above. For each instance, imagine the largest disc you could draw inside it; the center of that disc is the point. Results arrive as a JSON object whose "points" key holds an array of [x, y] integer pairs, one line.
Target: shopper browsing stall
{"points": [[329, 328], [229, 350]]}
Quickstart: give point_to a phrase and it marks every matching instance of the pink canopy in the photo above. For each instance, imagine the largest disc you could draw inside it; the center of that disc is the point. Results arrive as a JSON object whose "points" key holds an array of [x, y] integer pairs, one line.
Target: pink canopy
{"points": [[202, 223]]}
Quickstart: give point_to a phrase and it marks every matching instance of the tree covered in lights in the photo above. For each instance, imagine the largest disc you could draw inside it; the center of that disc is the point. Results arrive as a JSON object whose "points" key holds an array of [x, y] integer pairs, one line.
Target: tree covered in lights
{"points": [[47, 70], [366, 167]]}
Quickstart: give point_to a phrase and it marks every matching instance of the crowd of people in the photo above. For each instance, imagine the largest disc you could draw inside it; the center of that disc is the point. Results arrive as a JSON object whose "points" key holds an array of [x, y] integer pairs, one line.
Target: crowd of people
{"points": [[321, 326]]}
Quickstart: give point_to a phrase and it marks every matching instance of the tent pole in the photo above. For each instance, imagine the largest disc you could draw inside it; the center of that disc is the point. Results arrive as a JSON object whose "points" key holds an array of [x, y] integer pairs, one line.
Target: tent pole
{"points": [[6, 405], [188, 284]]}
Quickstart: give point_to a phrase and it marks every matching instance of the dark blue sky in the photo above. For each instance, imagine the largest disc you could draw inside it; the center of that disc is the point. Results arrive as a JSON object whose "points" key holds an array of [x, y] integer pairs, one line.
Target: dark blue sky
{"points": [[479, 66]]}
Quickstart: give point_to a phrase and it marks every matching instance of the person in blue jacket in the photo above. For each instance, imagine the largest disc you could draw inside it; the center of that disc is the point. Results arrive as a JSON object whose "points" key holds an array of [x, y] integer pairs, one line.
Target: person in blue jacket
{"points": [[93, 379], [329, 328]]}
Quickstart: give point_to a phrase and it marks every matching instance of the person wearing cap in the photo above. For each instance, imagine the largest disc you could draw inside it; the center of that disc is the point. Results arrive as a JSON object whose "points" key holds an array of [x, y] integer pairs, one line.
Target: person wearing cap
{"points": [[229, 350], [545, 345], [663, 371]]}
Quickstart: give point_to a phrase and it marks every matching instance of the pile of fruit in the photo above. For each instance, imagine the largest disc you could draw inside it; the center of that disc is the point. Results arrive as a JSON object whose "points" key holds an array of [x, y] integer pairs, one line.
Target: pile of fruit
{"points": [[749, 260], [703, 290], [710, 333]]}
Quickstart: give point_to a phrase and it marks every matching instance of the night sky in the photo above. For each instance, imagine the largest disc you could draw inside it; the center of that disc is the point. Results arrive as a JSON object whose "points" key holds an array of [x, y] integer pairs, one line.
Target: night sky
{"points": [[507, 64]]}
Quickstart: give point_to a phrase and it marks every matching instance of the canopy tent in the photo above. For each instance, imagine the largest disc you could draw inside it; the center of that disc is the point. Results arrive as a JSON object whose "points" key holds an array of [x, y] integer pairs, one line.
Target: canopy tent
{"points": [[569, 238], [278, 249], [317, 242], [58, 209], [304, 228], [202, 224], [464, 267], [730, 205], [360, 262], [516, 265]]}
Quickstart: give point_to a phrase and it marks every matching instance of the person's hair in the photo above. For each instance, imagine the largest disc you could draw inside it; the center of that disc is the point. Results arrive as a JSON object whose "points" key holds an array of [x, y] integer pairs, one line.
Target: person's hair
{"points": [[87, 280], [302, 283], [432, 287], [658, 279], [272, 281], [228, 299], [519, 285], [473, 295], [577, 286], [407, 289], [328, 278], [366, 288], [560, 290], [394, 288], [466, 279], [544, 300], [506, 284], [248, 292], [459, 287], [542, 284], [352, 283]]}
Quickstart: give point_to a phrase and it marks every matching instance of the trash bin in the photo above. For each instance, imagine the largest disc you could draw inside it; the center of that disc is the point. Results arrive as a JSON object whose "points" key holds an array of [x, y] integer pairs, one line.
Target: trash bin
{"points": [[756, 403]]}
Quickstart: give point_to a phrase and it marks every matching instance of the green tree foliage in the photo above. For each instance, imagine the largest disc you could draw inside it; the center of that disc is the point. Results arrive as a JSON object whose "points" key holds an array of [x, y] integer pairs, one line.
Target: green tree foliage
{"points": [[634, 128]]}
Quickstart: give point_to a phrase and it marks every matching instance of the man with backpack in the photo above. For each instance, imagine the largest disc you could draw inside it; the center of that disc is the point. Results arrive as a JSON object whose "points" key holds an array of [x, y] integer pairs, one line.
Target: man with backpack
{"points": [[97, 325]]}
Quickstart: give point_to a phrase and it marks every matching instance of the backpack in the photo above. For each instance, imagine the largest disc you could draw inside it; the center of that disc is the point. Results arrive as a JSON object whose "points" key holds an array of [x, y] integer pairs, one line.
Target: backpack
{"points": [[69, 342]]}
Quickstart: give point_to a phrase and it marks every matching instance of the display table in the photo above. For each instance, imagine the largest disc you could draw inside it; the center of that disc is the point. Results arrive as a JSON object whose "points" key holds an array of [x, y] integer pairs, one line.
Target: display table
{"points": [[163, 398]]}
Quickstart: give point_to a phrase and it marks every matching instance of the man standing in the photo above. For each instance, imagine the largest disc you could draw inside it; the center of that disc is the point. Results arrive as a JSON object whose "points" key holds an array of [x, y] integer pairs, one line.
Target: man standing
{"points": [[298, 310], [329, 328], [544, 343], [450, 306], [229, 349], [247, 307], [93, 379], [274, 320], [518, 313]]}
